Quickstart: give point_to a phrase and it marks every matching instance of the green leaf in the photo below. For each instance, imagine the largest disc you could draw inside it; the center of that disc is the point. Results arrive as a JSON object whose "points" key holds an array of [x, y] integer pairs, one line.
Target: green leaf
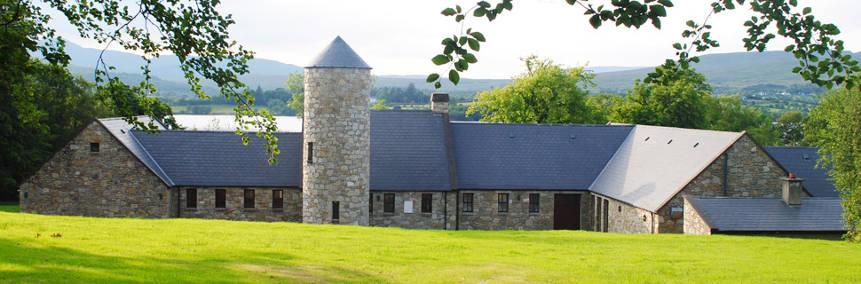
{"points": [[657, 23], [658, 10], [454, 76], [478, 36], [789, 48], [440, 59], [691, 24], [432, 77], [807, 10], [448, 12], [666, 3], [469, 57], [479, 12], [595, 21], [677, 46], [473, 44]]}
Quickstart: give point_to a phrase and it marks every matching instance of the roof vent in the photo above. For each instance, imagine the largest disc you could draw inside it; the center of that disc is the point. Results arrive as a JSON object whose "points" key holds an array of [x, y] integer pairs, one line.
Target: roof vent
{"points": [[697, 144], [647, 138], [671, 141], [573, 137], [511, 136], [805, 157]]}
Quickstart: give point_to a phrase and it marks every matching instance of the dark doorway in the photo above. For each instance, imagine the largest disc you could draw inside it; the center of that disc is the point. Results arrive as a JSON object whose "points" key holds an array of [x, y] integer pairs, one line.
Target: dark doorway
{"points": [[566, 212]]}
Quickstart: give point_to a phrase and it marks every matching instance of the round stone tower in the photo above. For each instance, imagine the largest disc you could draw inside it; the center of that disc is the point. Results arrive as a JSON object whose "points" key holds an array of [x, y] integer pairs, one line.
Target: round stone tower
{"points": [[336, 129]]}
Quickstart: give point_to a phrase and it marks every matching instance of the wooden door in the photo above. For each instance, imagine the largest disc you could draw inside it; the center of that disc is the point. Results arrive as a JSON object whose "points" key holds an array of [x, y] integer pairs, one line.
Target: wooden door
{"points": [[566, 212]]}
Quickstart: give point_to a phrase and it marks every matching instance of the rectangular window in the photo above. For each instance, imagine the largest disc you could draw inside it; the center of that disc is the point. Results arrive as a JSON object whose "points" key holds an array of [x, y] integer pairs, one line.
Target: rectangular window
{"points": [[427, 202], [278, 199], [220, 198], [606, 215], [191, 197], [336, 212], [467, 202], [94, 147], [310, 153], [248, 199], [502, 202], [534, 202], [389, 203]]}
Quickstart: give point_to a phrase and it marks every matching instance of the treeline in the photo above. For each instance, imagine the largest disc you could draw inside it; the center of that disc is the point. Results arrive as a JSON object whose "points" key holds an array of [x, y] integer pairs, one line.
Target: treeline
{"points": [[672, 96]]}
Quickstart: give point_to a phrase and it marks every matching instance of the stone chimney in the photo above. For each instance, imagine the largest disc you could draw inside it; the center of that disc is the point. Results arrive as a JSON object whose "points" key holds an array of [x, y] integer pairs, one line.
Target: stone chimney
{"points": [[792, 190], [439, 102]]}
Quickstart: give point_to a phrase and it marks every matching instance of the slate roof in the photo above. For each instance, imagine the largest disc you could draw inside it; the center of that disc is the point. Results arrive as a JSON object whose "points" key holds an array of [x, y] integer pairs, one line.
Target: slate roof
{"points": [[408, 151], [529, 156], [120, 129], [338, 54], [649, 169], [770, 214], [208, 158], [802, 162]]}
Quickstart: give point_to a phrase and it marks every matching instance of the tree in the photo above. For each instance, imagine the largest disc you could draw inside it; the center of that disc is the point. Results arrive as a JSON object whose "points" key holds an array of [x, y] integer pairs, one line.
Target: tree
{"points": [[296, 85], [676, 97], [822, 59], [39, 114], [194, 31], [727, 113], [834, 126], [600, 107], [546, 93], [790, 126], [380, 105]]}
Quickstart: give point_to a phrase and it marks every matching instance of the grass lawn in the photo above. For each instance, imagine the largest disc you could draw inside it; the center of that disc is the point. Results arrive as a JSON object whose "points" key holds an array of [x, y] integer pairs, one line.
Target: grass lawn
{"points": [[183, 250], [8, 207]]}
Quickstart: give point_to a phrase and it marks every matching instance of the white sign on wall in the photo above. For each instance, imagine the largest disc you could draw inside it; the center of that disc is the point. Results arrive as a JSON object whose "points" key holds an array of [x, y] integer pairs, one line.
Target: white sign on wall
{"points": [[408, 206]]}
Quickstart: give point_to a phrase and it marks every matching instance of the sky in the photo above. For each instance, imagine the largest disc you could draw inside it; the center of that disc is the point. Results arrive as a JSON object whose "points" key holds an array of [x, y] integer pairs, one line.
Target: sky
{"points": [[398, 37]]}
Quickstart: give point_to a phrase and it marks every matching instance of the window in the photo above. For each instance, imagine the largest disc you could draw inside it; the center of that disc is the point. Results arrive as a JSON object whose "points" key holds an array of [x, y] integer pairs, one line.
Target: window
{"points": [[220, 198], [467, 202], [248, 200], [427, 202], [336, 212], [389, 203], [310, 153], [278, 199], [94, 147], [371, 203], [534, 202], [191, 197], [502, 202]]}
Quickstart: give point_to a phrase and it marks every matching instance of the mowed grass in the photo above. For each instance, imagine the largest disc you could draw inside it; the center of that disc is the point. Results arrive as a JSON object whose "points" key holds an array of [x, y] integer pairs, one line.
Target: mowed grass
{"points": [[91, 250]]}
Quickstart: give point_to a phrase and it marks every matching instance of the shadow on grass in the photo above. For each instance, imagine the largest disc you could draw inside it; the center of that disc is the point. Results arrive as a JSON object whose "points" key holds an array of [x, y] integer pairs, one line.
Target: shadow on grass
{"points": [[38, 261], [11, 207]]}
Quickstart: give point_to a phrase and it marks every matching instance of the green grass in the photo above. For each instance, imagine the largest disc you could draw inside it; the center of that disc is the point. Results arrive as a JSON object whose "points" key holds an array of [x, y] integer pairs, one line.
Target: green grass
{"points": [[8, 207], [184, 250]]}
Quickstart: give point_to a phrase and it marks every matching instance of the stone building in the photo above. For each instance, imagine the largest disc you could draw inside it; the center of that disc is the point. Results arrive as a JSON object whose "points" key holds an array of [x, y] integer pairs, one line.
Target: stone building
{"points": [[419, 169]]}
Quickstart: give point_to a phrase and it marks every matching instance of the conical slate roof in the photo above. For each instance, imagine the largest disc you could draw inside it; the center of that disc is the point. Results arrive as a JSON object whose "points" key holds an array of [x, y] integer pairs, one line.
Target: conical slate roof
{"points": [[338, 55]]}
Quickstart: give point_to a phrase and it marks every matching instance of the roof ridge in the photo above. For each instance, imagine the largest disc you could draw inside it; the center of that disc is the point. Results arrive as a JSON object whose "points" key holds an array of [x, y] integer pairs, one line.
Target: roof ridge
{"points": [[540, 124], [154, 161], [213, 131]]}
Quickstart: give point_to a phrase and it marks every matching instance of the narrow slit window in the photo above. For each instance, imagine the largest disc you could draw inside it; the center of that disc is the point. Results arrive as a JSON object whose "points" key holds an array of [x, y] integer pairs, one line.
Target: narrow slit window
{"points": [[467, 202], [278, 199], [336, 212], [191, 198], [310, 152], [248, 199], [220, 198], [94, 147], [502, 202]]}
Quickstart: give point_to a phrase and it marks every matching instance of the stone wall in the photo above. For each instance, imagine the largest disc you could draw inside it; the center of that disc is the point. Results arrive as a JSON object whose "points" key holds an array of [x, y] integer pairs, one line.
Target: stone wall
{"points": [[622, 217], [694, 223], [108, 183], [485, 215], [337, 122], [436, 219], [234, 205], [750, 172]]}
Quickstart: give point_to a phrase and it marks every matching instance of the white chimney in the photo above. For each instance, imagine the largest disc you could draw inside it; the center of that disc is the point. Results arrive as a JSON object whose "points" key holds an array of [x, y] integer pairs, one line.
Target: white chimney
{"points": [[439, 102]]}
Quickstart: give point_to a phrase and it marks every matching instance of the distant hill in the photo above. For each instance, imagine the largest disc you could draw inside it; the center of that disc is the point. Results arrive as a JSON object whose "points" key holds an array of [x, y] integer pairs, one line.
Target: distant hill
{"points": [[746, 72], [727, 72]]}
